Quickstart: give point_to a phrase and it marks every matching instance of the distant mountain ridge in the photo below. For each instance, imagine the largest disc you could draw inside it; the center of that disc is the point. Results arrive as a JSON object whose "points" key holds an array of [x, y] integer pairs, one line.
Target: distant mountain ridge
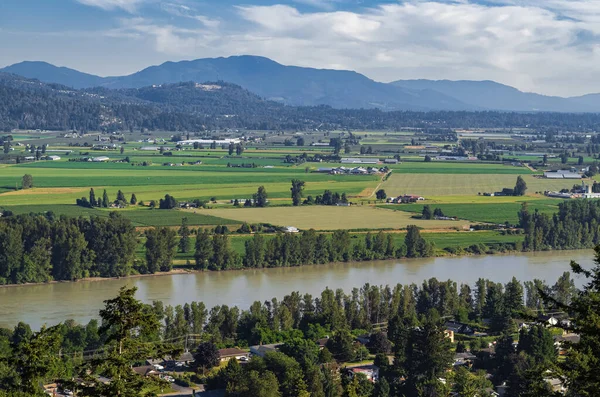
{"points": [[300, 86]]}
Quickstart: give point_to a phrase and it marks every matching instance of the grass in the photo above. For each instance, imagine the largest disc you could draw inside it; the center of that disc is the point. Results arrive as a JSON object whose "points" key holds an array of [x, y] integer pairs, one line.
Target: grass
{"points": [[492, 213], [459, 184], [473, 168], [331, 217], [138, 216]]}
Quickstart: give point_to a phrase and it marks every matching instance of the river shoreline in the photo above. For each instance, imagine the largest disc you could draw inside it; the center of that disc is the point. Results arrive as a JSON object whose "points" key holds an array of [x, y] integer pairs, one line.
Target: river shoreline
{"points": [[178, 271], [191, 271], [52, 303]]}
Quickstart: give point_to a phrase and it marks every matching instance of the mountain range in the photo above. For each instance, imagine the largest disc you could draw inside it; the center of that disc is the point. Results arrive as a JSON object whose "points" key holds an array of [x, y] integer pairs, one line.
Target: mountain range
{"points": [[299, 86]]}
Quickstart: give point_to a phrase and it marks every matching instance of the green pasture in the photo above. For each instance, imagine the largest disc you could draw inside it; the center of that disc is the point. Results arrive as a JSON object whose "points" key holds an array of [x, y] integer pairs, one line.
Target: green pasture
{"points": [[492, 213], [139, 216], [436, 167], [437, 184]]}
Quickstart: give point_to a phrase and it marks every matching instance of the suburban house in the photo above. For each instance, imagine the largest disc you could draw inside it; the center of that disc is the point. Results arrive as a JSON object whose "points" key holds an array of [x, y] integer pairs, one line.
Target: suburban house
{"points": [[370, 371], [261, 350], [228, 354], [459, 328], [146, 370], [465, 358]]}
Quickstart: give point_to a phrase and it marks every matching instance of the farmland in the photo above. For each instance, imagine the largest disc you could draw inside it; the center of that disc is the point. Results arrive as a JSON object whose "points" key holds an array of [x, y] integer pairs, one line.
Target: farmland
{"points": [[217, 177], [332, 218], [450, 184], [492, 213]]}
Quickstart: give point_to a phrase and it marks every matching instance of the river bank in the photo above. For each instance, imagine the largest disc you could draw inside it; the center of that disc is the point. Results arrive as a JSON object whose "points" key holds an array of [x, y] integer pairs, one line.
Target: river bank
{"points": [[182, 269], [53, 303]]}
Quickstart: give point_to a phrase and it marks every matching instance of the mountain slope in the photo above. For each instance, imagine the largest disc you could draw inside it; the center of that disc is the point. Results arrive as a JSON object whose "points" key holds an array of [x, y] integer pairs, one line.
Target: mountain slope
{"points": [[292, 85], [49, 73], [492, 95], [286, 84]]}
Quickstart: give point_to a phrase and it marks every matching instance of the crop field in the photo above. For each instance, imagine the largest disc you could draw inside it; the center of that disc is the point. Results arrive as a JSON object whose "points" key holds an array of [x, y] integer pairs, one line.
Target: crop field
{"points": [[492, 213], [138, 216], [459, 184], [435, 167], [332, 217]]}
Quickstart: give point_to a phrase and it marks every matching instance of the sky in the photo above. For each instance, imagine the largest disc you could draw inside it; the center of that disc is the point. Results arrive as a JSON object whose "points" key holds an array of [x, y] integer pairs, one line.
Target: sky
{"points": [[546, 46]]}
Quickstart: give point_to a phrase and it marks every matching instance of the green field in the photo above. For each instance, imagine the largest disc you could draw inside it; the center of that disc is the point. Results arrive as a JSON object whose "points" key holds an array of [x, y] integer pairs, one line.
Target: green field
{"points": [[138, 216], [472, 168], [492, 213], [460, 184]]}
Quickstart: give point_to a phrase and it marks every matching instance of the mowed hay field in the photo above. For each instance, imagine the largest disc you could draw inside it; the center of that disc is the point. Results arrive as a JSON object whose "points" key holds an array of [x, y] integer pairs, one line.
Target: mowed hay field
{"points": [[465, 184], [332, 217]]}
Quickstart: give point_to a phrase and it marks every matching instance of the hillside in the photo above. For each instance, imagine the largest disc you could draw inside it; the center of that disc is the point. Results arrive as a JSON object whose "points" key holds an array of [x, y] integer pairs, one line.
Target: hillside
{"points": [[492, 95], [286, 84], [31, 104]]}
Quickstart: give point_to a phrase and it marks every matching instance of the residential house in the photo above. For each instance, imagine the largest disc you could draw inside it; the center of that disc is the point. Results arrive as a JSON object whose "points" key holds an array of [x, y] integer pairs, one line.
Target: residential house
{"points": [[261, 350], [237, 354], [370, 371], [459, 328]]}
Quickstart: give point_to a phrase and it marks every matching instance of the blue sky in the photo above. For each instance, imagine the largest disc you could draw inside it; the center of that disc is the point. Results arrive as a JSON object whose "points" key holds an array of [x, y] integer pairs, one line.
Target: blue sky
{"points": [[547, 46]]}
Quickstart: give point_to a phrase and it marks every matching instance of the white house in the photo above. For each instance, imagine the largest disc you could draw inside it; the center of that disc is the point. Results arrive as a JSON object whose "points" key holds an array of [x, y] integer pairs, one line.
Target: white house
{"points": [[53, 158]]}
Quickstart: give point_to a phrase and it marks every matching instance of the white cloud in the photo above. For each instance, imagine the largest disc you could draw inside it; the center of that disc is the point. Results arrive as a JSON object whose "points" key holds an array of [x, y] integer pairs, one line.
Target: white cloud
{"points": [[182, 10], [551, 46], [127, 5]]}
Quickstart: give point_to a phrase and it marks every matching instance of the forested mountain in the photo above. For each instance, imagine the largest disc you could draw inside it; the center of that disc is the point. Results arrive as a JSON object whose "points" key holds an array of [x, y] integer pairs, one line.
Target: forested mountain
{"points": [[287, 84], [30, 104], [49, 73], [341, 89]]}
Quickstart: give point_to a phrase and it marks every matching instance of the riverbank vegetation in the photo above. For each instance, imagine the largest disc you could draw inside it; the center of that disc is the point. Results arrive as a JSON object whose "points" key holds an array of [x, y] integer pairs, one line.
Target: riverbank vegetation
{"points": [[402, 334]]}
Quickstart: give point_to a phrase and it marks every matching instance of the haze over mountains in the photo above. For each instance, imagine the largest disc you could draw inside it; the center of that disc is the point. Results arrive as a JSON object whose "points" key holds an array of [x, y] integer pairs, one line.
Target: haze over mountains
{"points": [[308, 87]]}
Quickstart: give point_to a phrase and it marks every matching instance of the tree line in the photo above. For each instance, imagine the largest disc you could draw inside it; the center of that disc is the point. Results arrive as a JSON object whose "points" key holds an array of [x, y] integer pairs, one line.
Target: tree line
{"points": [[574, 226], [37, 248]]}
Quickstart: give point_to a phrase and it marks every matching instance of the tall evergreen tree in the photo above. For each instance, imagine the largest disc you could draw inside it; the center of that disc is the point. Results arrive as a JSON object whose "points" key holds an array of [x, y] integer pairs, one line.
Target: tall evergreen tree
{"points": [[93, 201], [105, 199], [184, 236], [297, 190]]}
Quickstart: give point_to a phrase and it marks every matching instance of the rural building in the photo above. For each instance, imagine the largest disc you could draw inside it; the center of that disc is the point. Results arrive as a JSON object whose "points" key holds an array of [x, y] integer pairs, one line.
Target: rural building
{"points": [[150, 148], [356, 160], [319, 144], [561, 174], [290, 229], [53, 158], [100, 159], [210, 141], [390, 161], [589, 194], [228, 354]]}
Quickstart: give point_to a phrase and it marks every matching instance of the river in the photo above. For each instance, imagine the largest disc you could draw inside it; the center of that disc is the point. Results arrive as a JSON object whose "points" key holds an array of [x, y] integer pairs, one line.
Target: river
{"points": [[52, 303]]}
